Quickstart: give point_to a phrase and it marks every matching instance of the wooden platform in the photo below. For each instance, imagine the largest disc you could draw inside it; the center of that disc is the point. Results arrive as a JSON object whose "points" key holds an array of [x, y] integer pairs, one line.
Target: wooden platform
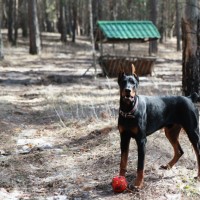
{"points": [[112, 65]]}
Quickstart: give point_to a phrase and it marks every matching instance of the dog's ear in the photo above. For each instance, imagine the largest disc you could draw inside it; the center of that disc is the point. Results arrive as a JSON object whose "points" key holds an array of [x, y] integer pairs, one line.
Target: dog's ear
{"points": [[121, 73], [133, 68], [133, 72], [137, 78], [120, 76]]}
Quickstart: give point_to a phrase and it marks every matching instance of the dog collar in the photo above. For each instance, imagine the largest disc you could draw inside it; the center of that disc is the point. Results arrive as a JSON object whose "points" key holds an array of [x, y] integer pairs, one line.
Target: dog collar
{"points": [[131, 113]]}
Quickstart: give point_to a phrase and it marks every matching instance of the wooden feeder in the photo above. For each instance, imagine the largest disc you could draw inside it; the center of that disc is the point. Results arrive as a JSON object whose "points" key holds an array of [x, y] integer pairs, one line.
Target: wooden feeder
{"points": [[125, 32]]}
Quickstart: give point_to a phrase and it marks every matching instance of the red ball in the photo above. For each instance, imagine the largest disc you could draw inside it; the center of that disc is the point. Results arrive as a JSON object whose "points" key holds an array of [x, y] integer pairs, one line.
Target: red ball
{"points": [[119, 184]]}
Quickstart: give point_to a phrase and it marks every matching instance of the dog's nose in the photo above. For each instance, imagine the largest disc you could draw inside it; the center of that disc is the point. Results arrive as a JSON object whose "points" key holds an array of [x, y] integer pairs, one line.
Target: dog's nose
{"points": [[127, 90]]}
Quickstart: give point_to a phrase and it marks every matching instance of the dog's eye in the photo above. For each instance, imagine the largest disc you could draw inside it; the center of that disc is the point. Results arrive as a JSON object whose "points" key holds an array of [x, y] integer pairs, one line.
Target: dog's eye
{"points": [[131, 80]]}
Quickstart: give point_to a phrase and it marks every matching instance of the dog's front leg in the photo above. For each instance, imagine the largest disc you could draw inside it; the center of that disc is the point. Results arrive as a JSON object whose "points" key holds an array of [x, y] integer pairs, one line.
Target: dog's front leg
{"points": [[141, 143], [125, 141]]}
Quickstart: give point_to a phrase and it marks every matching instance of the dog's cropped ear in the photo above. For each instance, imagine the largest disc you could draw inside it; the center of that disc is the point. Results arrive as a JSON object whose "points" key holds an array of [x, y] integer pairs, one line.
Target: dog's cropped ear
{"points": [[133, 68], [133, 72], [137, 78], [121, 74]]}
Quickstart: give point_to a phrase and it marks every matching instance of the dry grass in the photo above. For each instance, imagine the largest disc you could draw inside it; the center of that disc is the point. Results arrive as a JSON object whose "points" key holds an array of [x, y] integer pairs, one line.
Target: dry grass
{"points": [[60, 140]]}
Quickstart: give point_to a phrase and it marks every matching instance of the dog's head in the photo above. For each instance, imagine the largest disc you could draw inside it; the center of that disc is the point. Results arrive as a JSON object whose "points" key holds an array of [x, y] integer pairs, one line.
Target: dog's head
{"points": [[128, 84]]}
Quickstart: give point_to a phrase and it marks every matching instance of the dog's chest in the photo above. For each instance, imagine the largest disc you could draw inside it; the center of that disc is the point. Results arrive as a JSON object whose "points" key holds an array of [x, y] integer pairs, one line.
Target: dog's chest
{"points": [[127, 126]]}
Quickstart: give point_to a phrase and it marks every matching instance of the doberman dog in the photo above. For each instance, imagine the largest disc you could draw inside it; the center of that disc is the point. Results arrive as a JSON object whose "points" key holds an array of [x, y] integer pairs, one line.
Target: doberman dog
{"points": [[140, 116]]}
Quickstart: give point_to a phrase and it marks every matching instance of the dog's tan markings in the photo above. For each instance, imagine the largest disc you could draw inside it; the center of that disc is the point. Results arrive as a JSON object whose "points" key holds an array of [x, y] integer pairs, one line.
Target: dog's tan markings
{"points": [[172, 135], [134, 130], [132, 93], [121, 129], [139, 181], [133, 69], [123, 163]]}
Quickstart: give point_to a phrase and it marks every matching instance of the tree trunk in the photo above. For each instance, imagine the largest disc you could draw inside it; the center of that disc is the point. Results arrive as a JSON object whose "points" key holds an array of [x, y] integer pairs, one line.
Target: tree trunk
{"points": [[153, 46], [35, 44], [178, 35], [49, 25], [1, 39], [62, 21], [111, 9], [92, 37], [1, 43], [191, 51], [24, 17], [74, 13], [99, 10], [10, 20], [15, 22], [96, 4], [162, 25]]}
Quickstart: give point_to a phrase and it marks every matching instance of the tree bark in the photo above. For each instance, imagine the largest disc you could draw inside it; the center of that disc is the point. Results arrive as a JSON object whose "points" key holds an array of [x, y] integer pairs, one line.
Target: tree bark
{"points": [[62, 21], [92, 37], [10, 20], [191, 51], [153, 46], [74, 13], [24, 17], [1, 39], [35, 44], [47, 23], [15, 22], [178, 35], [162, 24]]}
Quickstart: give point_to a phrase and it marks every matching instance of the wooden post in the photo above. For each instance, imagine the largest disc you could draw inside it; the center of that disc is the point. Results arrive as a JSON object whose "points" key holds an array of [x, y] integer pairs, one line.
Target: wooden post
{"points": [[129, 47]]}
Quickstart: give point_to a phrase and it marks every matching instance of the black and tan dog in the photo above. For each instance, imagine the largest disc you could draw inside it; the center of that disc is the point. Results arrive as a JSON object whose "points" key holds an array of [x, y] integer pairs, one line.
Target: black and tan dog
{"points": [[140, 116]]}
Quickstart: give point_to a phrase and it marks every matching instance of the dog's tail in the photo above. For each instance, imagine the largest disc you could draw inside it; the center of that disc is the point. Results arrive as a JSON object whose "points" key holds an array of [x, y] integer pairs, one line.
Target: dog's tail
{"points": [[194, 97]]}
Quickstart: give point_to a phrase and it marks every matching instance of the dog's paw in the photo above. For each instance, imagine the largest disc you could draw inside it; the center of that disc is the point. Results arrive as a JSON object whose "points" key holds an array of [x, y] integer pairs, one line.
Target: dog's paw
{"points": [[166, 167], [197, 178], [131, 188], [138, 185]]}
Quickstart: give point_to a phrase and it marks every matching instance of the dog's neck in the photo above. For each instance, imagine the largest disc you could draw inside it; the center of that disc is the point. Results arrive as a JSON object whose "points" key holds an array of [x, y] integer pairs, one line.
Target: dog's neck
{"points": [[128, 104]]}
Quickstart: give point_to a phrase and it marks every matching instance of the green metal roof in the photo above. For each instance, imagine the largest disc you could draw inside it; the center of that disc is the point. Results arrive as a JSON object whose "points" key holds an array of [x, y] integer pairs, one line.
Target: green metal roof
{"points": [[127, 30]]}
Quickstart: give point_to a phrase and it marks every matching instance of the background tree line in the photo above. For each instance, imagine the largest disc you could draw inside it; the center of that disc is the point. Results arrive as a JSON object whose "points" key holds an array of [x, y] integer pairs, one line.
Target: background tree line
{"points": [[72, 18]]}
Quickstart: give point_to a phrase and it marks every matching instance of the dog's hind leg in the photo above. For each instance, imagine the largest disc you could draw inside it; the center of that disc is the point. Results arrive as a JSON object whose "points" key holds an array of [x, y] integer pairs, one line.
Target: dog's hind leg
{"points": [[194, 138], [172, 134], [196, 147]]}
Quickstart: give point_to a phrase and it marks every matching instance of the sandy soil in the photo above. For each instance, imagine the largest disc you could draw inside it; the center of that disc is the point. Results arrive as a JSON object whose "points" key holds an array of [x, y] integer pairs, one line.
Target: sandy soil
{"points": [[58, 129]]}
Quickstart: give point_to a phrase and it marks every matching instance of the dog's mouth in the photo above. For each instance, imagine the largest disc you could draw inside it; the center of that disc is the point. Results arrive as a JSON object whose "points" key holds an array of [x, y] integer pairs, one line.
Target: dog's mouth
{"points": [[128, 97]]}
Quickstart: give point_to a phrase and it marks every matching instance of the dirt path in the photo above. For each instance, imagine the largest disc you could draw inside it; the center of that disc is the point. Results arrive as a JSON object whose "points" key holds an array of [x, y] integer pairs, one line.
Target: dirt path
{"points": [[58, 129]]}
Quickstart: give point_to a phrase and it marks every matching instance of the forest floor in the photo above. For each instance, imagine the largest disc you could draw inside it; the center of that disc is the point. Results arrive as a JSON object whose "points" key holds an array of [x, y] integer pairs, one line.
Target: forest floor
{"points": [[58, 129]]}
